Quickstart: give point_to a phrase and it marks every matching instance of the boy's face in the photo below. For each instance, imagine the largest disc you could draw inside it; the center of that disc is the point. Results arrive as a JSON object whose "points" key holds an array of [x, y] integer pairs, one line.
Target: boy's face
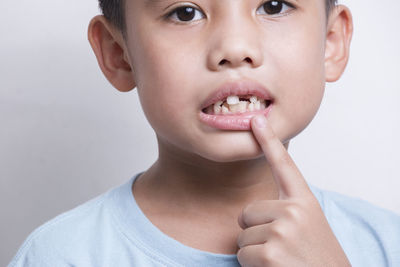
{"points": [[177, 65]]}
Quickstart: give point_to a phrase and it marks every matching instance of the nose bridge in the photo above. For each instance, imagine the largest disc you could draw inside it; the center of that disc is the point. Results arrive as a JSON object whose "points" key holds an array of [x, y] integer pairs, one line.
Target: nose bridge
{"points": [[235, 40]]}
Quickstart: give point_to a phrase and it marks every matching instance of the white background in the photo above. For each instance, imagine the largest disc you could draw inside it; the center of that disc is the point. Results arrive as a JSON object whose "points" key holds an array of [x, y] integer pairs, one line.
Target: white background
{"points": [[66, 135]]}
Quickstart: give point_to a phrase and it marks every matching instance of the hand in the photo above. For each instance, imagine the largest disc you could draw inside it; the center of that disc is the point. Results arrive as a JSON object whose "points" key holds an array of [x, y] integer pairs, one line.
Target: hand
{"points": [[290, 231]]}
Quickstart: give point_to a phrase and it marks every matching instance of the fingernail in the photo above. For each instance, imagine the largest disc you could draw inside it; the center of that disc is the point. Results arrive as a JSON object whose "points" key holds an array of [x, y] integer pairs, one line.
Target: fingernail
{"points": [[261, 121]]}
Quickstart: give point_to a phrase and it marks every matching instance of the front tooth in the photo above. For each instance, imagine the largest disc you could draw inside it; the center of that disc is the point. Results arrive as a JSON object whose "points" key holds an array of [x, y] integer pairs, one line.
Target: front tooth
{"points": [[234, 108], [251, 107], [253, 99], [225, 110], [232, 100], [243, 106], [257, 105]]}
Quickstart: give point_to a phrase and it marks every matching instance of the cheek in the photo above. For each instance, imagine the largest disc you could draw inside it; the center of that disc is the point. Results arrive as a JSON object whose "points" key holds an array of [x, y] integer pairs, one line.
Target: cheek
{"points": [[302, 96], [166, 76], [163, 93], [299, 81]]}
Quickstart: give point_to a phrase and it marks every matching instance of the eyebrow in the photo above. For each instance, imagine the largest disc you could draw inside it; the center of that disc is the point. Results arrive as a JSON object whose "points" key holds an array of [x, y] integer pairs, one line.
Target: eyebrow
{"points": [[153, 2]]}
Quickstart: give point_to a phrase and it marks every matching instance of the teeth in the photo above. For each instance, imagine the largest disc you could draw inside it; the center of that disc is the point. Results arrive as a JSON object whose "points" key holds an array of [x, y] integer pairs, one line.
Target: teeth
{"points": [[234, 108], [234, 105], [232, 100], [240, 107], [251, 107], [225, 110], [243, 106], [217, 107], [253, 99]]}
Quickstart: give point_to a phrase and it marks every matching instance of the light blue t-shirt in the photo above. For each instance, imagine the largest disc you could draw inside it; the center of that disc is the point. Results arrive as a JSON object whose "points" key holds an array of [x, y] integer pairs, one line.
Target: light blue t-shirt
{"points": [[111, 230]]}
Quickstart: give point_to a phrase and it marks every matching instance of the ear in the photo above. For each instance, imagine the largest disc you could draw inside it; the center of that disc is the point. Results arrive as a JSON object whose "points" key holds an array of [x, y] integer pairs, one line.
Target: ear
{"points": [[108, 45], [338, 38]]}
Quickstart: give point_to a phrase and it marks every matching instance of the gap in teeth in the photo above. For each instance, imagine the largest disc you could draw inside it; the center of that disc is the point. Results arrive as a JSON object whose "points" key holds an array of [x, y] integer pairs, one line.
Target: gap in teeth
{"points": [[235, 104]]}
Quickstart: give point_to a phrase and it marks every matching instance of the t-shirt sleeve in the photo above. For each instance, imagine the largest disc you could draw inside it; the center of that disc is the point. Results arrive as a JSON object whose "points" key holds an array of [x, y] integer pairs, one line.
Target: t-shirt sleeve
{"points": [[36, 251], [369, 235], [61, 240]]}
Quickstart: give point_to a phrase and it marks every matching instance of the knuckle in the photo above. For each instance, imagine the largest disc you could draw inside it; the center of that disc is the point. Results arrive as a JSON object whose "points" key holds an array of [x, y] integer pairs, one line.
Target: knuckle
{"points": [[293, 211], [269, 256], [278, 231]]}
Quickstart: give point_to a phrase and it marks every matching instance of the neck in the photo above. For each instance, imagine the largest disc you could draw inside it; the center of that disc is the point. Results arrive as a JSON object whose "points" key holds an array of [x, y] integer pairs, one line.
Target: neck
{"points": [[190, 181]]}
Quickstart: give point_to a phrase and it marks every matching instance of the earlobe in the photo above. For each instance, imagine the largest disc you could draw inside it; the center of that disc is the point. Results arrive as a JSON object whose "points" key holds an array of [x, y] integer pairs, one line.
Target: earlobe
{"points": [[108, 46], [337, 45]]}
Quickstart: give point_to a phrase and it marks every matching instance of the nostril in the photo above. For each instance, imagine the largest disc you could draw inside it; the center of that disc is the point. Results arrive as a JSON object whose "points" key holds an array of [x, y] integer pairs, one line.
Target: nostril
{"points": [[222, 62], [248, 60]]}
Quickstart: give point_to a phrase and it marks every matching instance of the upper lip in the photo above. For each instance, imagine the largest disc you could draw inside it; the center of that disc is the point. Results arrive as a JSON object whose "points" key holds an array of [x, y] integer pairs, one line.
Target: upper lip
{"points": [[242, 87]]}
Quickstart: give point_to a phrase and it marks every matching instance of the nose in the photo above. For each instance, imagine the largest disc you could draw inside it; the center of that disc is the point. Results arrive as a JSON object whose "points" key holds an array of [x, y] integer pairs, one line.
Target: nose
{"points": [[235, 43]]}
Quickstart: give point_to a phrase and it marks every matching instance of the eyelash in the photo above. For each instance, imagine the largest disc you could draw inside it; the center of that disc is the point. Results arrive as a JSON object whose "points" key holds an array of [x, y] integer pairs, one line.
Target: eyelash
{"points": [[170, 14]]}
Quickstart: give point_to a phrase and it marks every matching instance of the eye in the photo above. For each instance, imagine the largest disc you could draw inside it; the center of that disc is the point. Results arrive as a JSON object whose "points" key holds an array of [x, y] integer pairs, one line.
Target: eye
{"points": [[276, 7], [183, 14]]}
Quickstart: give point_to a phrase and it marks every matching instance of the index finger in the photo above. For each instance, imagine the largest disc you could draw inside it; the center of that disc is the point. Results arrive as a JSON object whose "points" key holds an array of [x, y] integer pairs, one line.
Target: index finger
{"points": [[288, 177]]}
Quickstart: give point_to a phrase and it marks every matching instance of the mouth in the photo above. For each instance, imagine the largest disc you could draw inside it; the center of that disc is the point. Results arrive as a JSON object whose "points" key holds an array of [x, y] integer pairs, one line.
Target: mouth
{"points": [[232, 105]]}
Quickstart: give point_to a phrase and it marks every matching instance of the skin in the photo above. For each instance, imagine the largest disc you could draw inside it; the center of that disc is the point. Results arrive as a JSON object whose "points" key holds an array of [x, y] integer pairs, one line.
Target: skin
{"points": [[230, 192]]}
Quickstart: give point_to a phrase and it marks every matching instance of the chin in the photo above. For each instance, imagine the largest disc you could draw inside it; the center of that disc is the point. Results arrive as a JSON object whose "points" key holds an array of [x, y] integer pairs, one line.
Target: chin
{"points": [[226, 151], [232, 158]]}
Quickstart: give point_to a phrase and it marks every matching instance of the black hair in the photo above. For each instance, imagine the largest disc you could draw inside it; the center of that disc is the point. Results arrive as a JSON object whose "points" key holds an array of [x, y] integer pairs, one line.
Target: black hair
{"points": [[114, 11], [329, 5]]}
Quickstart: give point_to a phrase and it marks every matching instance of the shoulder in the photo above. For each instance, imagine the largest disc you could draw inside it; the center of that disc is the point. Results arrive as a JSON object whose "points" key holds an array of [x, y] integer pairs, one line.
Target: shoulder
{"points": [[362, 228], [65, 234], [355, 209]]}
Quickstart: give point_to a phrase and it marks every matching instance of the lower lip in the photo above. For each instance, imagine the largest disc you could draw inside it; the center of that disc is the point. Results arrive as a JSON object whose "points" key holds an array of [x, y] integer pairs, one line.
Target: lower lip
{"points": [[238, 122]]}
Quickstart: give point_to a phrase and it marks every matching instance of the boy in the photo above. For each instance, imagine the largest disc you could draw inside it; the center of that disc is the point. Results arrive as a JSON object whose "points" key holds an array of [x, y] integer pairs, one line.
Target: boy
{"points": [[224, 191]]}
